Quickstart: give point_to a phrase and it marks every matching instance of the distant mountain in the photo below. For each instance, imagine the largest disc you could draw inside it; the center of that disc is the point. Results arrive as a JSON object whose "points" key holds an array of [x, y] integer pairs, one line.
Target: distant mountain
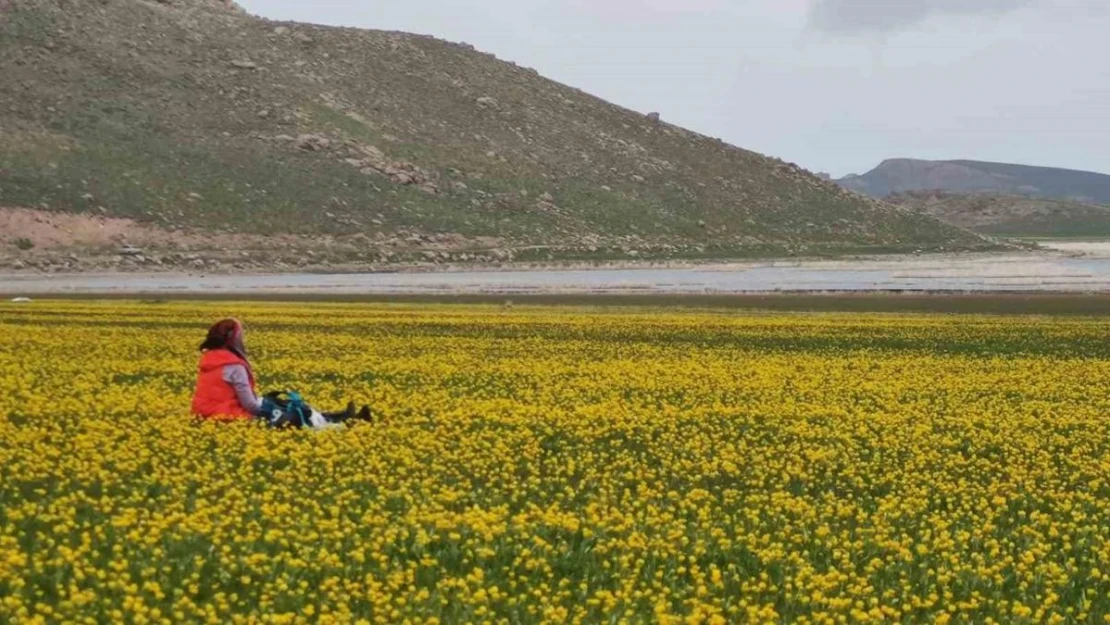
{"points": [[1007, 215], [903, 174]]}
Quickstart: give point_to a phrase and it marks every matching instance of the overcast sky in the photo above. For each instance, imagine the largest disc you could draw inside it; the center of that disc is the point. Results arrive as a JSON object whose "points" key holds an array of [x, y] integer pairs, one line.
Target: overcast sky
{"points": [[834, 85]]}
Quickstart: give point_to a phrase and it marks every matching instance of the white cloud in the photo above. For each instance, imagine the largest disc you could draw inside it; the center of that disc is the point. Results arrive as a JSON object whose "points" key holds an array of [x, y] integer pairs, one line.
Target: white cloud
{"points": [[882, 15]]}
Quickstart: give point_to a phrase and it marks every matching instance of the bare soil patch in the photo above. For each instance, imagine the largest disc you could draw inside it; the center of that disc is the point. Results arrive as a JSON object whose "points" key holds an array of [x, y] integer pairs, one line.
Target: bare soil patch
{"points": [[48, 230]]}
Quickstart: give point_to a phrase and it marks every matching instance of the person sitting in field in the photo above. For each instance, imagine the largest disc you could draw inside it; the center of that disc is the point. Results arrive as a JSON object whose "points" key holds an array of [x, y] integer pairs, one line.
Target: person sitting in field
{"points": [[226, 389]]}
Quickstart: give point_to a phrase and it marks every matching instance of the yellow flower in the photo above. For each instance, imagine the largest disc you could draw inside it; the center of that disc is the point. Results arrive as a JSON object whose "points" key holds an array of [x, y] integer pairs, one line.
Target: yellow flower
{"points": [[557, 465]]}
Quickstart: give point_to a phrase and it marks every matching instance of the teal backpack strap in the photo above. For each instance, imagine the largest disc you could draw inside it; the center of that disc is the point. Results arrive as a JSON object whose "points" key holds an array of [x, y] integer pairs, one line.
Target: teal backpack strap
{"points": [[298, 407]]}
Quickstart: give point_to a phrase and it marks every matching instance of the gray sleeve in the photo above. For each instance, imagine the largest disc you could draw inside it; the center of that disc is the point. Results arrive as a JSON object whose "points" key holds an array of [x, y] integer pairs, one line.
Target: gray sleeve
{"points": [[236, 376]]}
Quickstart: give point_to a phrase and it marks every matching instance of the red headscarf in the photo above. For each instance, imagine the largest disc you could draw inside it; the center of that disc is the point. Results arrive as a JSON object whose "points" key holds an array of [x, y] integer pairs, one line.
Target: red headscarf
{"points": [[226, 334]]}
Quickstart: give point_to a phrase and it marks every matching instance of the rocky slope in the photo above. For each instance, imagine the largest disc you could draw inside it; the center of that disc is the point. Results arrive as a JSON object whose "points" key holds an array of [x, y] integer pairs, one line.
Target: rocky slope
{"points": [[1008, 215], [900, 175], [191, 114]]}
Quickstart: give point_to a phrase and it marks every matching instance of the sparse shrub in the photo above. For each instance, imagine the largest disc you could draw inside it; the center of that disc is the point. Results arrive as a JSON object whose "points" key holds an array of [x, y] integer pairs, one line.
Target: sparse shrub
{"points": [[24, 244]]}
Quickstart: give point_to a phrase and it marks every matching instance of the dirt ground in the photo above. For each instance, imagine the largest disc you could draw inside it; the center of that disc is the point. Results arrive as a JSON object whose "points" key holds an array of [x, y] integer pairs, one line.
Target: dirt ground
{"points": [[48, 230]]}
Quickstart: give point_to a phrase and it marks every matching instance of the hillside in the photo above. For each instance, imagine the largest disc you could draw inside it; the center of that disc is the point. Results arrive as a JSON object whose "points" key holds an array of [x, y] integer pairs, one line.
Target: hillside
{"points": [[192, 115], [899, 175], [1007, 215]]}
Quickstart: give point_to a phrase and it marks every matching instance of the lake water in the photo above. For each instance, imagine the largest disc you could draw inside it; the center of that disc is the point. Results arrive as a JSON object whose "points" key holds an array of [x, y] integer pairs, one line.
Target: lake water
{"points": [[1074, 269]]}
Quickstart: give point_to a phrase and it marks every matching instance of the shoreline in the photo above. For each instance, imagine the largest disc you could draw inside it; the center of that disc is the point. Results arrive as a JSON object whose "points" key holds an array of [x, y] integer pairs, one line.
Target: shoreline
{"points": [[1048, 271], [223, 262], [701, 264], [1075, 267]]}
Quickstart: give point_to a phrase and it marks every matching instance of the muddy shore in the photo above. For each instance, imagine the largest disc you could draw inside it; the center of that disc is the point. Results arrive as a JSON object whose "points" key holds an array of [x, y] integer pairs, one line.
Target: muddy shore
{"points": [[1074, 269]]}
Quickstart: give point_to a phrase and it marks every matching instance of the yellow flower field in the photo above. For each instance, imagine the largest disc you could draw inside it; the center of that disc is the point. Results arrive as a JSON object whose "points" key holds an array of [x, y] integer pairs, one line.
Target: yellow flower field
{"points": [[557, 465]]}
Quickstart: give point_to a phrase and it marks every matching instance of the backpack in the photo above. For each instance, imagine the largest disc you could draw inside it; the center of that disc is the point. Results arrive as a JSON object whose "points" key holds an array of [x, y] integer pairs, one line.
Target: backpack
{"points": [[283, 409]]}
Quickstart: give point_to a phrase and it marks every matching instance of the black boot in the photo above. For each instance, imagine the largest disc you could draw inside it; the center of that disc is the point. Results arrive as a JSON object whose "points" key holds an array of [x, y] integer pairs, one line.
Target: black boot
{"points": [[365, 415], [340, 417]]}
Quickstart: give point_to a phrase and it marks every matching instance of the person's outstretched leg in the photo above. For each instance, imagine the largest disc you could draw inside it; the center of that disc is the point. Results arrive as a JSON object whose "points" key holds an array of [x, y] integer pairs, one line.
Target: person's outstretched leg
{"points": [[345, 415]]}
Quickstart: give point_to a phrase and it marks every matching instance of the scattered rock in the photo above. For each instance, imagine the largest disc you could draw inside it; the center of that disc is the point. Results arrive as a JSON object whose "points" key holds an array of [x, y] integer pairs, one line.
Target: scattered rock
{"points": [[313, 143], [653, 117], [487, 102], [405, 173], [130, 250], [401, 177], [546, 203], [21, 300], [303, 38], [372, 152], [639, 178], [281, 30], [244, 64]]}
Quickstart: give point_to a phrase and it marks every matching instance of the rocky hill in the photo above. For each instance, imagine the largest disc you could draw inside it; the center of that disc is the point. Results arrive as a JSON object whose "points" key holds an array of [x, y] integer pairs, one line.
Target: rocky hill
{"points": [[1008, 215], [190, 115], [903, 174]]}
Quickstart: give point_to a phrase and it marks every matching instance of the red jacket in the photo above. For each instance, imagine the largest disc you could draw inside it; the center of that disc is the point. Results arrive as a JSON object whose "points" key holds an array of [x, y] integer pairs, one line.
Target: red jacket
{"points": [[214, 398]]}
